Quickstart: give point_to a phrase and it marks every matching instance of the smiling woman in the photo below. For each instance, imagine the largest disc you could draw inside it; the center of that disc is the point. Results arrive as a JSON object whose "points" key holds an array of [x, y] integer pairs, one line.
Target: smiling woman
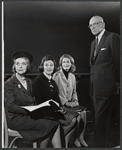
{"points": [[17, 93], [56, 28]]}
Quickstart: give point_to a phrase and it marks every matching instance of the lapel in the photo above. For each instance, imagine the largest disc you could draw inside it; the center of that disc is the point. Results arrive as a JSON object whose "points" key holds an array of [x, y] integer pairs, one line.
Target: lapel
{"points": [[99, 47], [29, 86], [101, 43], [64, 78], [92, 51], [20, 86]]}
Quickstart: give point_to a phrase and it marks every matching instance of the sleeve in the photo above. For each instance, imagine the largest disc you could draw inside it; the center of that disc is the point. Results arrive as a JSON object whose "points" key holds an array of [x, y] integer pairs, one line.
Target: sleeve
{"points": [[74, 93], [115, 49], [56, 97], [90, 56], [55, 78], [37, 90], [62, 99], [10, 102]]}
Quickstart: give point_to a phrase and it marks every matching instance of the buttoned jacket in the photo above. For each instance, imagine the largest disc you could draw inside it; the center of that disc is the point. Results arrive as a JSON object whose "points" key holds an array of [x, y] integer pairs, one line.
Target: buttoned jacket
{"points": [[67, 87], [45, 89], [16, 96], [105, 67]]}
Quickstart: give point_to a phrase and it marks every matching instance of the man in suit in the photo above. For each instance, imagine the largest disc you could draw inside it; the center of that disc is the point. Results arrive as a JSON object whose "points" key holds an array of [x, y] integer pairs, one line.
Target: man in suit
{"points": [[104, 77]]}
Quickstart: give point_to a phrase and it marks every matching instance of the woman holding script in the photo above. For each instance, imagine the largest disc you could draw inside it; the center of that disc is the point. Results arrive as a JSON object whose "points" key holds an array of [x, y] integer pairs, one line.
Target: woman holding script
{"points": [[18, 92], [45, 89], [66, 83]]}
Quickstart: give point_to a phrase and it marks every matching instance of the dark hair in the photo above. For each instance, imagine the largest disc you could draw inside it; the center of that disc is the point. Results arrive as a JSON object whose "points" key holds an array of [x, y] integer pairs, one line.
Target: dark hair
{"points": [[30, 66], [46, 58], [73, 67]]}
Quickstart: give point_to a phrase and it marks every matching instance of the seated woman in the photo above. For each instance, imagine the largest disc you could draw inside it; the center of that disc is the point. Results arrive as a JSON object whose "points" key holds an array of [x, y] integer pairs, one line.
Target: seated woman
{"points": [[45, 89], [18, 92], [66, 82]]}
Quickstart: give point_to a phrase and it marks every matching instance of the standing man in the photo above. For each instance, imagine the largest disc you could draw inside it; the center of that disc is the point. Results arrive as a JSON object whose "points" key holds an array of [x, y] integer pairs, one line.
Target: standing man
{"points": [[104, 77]]}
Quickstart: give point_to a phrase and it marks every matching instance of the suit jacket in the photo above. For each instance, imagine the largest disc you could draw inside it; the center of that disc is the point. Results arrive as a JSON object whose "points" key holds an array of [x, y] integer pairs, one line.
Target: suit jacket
{"points": [[105, 67], [67, 88], [16, 96]]}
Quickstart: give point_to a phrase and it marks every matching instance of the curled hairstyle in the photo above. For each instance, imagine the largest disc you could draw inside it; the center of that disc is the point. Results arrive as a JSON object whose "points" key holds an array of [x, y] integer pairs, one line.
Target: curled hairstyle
{"points": [[46, 58], [73, 67], [29, 68]]}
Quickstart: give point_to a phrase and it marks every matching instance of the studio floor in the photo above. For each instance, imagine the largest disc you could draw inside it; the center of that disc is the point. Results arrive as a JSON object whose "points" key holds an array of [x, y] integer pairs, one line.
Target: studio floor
{"points": [[114, 138]]}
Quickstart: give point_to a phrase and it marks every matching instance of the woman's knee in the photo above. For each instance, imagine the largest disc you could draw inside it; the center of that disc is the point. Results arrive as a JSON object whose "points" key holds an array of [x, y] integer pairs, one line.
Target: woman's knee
{"points": [[83, 112], [74, 121]]}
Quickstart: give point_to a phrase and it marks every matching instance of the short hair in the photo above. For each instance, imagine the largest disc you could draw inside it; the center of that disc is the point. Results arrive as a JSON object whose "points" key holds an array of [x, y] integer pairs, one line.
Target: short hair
{"points": [[46, 58], [30, 66], [73, 67], [99, 18]]}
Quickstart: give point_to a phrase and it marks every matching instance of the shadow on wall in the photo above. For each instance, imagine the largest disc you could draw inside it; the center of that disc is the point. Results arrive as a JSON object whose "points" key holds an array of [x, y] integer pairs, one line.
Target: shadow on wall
{"points": [[83, 91]]}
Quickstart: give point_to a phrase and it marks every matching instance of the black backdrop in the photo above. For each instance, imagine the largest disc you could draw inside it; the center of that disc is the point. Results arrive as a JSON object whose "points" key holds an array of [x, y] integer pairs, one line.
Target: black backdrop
{"points": [[54, 28]]}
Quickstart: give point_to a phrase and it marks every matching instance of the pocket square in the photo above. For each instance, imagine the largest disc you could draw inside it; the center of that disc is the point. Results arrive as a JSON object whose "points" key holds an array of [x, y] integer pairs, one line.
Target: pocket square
{"points": [[102, 49]]}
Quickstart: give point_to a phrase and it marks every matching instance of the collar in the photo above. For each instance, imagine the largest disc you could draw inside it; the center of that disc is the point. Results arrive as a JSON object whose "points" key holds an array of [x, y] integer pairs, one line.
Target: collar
{"points": [[62, 74], [49, 77], [100, 35], [14, 79], [20, 78]]}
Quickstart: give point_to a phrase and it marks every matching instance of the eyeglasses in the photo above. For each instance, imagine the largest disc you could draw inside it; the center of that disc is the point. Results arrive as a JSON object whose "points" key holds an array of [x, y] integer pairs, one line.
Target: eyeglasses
{"points": [[94, 24]]}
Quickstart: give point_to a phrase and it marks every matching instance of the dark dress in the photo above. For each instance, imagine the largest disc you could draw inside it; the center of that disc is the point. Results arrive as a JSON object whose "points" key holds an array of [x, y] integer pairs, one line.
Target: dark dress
{"points": [[45, 89], [17, 118]]}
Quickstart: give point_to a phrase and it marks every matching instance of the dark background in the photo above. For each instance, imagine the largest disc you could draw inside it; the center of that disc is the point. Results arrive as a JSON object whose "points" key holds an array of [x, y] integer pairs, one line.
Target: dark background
{"points": [[54, 28]]}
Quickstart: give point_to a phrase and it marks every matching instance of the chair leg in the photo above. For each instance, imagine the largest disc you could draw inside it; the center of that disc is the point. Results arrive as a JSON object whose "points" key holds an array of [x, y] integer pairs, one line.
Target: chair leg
{"points": [[34, 144], [6, 142], [14, 146], [12, 142]]}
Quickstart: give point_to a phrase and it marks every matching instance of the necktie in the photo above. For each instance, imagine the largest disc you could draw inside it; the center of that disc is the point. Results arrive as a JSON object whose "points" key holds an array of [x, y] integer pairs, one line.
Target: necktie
{"points": [[96, 45]]}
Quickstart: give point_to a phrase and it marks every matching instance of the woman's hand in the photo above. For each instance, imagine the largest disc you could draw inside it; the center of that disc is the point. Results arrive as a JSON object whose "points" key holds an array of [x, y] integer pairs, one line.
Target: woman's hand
{"points": [[69, 104], [76, 103], [72, 103], [62, 111]]}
